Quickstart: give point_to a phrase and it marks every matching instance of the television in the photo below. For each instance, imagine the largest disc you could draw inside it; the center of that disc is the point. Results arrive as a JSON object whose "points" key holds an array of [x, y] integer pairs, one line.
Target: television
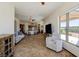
{"points": [[48, 29]]}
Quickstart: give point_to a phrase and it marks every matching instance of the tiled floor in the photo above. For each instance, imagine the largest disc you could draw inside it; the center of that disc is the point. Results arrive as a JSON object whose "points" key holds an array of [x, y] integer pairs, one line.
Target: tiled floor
{"points": [[34, 46]]}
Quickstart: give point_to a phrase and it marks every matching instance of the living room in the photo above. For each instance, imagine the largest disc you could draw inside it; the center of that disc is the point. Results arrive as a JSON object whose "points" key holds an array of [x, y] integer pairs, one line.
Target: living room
{"points": [[42, 33]]}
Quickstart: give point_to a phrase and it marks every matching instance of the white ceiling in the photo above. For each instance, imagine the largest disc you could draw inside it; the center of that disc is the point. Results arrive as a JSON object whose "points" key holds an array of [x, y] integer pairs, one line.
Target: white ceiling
{"points": [[24, 10]]}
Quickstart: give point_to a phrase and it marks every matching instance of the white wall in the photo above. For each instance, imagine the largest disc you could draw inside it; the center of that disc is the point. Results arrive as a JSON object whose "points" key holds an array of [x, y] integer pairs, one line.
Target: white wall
{"points": [[6, 18], [53, 19]]}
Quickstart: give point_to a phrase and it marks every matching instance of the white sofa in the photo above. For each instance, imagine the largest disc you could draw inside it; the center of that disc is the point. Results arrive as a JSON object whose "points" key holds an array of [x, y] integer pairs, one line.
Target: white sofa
{"points": [[19, 38], [54, 43]]}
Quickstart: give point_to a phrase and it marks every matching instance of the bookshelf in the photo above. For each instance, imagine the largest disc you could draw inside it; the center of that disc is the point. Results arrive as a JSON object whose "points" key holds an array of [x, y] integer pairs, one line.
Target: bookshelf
{"points": [[6, 46]]}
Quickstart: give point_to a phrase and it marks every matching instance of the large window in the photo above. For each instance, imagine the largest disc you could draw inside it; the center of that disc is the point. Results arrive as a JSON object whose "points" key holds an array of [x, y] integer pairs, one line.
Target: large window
{"points": [[73, 30], [63, 27], [69, 27]]}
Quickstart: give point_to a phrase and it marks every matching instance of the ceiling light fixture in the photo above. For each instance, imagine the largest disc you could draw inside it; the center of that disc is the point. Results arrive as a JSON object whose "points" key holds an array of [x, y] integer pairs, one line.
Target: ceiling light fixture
{"points": [[42, 3]]}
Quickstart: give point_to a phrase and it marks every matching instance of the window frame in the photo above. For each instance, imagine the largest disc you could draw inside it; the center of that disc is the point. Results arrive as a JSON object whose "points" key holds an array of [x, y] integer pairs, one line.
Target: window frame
{"points": [[67, 24], [60, 26]]}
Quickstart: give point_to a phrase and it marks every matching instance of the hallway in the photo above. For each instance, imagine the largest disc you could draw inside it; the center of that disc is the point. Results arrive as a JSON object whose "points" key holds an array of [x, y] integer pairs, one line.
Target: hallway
{"points": [[34, 46]]}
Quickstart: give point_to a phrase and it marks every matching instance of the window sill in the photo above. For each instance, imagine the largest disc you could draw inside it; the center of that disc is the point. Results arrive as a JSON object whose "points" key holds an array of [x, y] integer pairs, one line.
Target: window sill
{"points": [[71, 43]]}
